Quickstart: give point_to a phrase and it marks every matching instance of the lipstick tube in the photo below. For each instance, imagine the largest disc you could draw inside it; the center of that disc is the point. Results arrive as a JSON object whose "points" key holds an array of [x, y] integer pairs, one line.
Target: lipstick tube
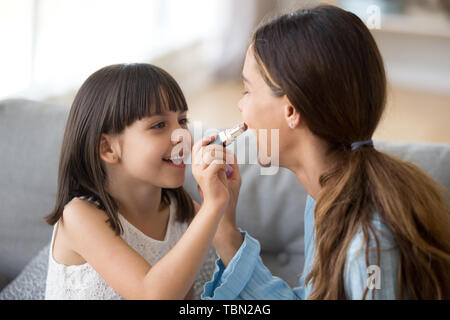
{"points": [[227, 137]]}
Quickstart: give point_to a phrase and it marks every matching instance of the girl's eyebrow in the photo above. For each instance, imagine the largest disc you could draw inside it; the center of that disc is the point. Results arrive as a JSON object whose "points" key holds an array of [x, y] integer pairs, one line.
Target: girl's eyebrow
{"points": [[166, 113]]}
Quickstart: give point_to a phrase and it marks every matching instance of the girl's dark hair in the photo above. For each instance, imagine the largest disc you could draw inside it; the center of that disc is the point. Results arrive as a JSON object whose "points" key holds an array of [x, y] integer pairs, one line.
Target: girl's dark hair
{"points": [[327, 63], [108, 101]]}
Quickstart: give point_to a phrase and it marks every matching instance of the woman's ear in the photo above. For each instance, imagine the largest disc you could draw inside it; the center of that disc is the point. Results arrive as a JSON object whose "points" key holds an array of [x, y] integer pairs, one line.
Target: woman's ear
{"points": [[291, 114], [108, 152]]}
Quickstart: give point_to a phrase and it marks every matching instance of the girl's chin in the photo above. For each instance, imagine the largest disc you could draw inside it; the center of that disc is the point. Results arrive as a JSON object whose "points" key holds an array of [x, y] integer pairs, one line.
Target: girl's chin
{"points": [[174, 182]]}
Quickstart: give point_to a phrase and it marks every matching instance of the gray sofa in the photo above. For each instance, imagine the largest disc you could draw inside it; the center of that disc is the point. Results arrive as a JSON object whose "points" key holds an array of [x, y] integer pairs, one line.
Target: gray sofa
{"points": [[270, 207]]}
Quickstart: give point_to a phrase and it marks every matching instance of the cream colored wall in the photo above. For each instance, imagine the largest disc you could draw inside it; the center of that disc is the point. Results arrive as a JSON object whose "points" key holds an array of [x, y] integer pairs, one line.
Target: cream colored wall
{"points": [[411, 115]]}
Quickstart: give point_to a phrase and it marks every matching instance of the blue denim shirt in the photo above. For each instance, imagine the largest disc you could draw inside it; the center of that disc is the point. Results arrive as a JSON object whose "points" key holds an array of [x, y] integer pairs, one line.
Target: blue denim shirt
{"points": [[246, 277]]}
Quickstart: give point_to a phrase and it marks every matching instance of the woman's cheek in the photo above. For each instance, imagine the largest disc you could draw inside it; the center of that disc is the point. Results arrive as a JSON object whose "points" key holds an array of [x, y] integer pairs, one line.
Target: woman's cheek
{"points": [[249, 113]]}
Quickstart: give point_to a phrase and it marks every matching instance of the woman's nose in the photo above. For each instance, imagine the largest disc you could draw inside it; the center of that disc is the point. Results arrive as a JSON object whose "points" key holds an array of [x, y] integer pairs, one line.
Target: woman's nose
{"points": [[239, 106]]}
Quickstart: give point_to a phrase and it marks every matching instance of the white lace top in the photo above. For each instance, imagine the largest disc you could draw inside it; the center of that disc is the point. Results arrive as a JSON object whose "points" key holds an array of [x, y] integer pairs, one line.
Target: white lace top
{"points": [[83, 282]]}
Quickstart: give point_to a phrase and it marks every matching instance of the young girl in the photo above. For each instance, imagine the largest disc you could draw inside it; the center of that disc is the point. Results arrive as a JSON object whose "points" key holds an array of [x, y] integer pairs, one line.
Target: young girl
{"points": [[121, 215], [376, 227]]}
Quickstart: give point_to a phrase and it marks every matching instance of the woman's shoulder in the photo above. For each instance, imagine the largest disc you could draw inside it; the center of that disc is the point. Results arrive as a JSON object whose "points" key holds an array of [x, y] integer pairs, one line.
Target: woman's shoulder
{"points": [[361, 273], [379, 232]]}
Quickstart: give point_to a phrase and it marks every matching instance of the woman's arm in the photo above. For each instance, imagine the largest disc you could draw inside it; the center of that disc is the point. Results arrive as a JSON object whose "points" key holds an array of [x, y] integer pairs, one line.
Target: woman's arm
{"points": [[227, 241], [246, 277], [240, 272]]}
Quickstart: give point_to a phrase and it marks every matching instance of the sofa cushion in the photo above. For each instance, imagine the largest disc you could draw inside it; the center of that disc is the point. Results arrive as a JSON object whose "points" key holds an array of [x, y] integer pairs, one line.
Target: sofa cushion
{"points": [[30, 283]]}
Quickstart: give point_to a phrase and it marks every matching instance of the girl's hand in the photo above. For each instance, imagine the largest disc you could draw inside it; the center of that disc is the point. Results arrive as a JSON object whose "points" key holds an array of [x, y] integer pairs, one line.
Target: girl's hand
{"points": [[208, 168], [234, 185]]}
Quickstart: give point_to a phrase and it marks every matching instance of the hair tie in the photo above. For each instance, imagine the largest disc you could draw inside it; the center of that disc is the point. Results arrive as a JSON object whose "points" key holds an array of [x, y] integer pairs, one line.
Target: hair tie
{"points": [[356, 145]]}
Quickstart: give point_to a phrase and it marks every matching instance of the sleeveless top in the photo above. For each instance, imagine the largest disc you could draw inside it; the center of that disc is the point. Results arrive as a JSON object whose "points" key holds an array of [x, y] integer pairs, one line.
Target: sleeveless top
{"points": [[82, 282]]}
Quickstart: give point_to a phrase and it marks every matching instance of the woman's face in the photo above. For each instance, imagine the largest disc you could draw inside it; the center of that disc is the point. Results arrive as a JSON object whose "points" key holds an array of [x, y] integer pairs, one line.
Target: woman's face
{"points": [[261, 109], [147, 144]]}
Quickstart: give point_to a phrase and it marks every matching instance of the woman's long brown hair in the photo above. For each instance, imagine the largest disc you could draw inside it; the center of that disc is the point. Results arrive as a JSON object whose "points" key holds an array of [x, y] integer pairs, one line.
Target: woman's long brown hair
{"points": [[327, 63], [111, 99]]}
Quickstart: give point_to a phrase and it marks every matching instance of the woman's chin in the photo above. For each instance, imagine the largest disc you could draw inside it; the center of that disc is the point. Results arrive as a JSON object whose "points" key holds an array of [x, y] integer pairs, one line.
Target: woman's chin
{"points": [[265, 163]]}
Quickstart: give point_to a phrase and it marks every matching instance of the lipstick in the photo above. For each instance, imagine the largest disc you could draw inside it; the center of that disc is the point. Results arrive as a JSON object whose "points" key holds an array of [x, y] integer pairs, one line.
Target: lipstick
{"points": [[227, 137]]}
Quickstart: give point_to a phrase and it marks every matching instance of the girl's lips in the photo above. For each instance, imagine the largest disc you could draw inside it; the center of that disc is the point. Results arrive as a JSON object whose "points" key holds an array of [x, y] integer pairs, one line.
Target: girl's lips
{"points": [[181, 165]]}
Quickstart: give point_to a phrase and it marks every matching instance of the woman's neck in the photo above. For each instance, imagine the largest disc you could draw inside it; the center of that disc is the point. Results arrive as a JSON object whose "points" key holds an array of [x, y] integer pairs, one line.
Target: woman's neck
{"points": [[309, 162]]}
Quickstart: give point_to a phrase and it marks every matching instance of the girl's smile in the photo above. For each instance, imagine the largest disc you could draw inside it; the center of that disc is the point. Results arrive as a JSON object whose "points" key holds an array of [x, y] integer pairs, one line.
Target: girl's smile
{"points": [[146, 150]]}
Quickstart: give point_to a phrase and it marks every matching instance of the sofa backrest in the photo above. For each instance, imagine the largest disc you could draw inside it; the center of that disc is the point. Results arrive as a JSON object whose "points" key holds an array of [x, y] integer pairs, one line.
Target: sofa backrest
{"points": [[270, 207], [30, 139]]}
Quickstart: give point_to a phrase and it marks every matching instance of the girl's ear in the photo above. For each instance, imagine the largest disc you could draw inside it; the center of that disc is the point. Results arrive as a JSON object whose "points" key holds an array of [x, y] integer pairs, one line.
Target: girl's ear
{"points": [[292, 116], [108, 152]]}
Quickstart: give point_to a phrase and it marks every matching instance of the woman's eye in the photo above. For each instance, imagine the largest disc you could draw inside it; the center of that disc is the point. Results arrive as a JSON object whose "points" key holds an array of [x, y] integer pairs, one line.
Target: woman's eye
{"points": [[244, 93], [159, 125]]}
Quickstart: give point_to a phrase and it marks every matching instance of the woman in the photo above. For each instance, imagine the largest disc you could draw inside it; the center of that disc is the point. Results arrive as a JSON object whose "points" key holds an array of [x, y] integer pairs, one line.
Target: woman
{"points": [[375, 227]]}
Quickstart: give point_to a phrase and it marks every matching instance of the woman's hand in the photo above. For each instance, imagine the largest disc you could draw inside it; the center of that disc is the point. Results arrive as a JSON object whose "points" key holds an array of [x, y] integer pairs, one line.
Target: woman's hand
{"points": [[208, 168]]}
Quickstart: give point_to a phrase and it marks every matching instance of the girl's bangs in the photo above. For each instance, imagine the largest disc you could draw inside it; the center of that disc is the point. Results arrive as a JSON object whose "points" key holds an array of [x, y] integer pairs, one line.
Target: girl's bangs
{"points": [[145, 91]]}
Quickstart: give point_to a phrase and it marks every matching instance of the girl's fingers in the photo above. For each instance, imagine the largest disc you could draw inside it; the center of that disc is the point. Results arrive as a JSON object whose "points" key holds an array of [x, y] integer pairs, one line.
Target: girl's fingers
{"points": [[203, 142], [217, 167], [231, 158], [213, 152]]}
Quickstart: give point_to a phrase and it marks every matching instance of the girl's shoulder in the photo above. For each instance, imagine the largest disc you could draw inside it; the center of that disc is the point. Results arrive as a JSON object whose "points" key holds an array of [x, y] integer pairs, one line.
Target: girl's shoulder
{"points": [[82, 206], [81, 214], [78, 217]]}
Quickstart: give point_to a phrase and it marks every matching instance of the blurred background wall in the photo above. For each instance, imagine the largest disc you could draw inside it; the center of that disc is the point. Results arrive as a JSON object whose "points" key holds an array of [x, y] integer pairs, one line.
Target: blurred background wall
{"points": [[49, 47]]}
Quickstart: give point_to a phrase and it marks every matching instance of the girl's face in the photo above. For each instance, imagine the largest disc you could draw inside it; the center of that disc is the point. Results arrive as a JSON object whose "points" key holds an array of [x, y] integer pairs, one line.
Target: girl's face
{"points": [[261, 109], [146, 145]]}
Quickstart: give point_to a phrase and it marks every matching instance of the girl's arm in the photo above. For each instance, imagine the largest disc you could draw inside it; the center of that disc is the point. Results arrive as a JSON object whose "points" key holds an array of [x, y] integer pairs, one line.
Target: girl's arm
{"points": [[123, 268], [228, 239], [190, 294]]}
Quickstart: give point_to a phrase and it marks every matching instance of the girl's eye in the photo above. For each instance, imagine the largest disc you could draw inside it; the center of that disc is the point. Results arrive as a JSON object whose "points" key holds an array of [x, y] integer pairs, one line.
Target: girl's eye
{"points": [[244, 93], [184, 121], [159, 125]]}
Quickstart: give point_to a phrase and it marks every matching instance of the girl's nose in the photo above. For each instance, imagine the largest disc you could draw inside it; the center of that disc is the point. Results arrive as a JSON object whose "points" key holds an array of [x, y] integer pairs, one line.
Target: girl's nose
{"points": [[239, 107], [177, 139]]}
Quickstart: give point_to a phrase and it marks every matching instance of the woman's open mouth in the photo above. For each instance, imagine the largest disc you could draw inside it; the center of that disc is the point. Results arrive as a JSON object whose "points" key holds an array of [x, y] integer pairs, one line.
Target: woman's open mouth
{"points": [[175, 162]]}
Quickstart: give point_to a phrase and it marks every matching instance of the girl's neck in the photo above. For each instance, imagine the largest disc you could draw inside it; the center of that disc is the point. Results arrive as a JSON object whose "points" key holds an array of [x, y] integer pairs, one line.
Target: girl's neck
{"points": [[136, 202]]}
